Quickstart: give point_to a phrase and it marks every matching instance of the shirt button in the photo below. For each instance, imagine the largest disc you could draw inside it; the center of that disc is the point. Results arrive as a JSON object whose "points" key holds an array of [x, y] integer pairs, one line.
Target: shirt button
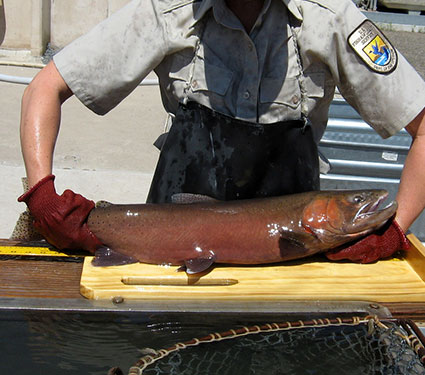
{"points": [[295, 99], [194, 84], [246, 94]]}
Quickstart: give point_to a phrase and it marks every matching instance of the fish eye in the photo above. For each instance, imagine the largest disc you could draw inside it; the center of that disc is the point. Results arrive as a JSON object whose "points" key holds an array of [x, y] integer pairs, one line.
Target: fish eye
{"points": [[359, 199]]}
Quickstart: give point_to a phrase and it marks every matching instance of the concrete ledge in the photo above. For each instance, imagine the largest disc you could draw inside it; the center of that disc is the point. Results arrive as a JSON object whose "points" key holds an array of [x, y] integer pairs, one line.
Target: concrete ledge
{"points": [[19, 57]]}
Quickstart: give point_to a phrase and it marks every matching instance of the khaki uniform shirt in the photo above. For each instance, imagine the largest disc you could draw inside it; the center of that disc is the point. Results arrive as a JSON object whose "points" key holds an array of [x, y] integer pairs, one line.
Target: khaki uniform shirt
{"points": [[201, 52]]}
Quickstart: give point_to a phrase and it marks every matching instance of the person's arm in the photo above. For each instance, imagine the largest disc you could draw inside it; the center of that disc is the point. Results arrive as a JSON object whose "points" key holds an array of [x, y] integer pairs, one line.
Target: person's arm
{"points": [[40, 119], [411, 202], [411, 193], [61, 219]]}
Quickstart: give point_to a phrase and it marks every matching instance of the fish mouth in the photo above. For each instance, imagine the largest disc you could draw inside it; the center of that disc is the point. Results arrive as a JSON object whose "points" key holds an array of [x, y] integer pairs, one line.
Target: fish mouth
{"points": [[371, 216], [372, 208]]}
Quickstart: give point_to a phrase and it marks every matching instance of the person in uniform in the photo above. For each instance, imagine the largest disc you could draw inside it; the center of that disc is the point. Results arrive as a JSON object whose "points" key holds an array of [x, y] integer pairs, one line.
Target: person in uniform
{"points": [[248, 84]]}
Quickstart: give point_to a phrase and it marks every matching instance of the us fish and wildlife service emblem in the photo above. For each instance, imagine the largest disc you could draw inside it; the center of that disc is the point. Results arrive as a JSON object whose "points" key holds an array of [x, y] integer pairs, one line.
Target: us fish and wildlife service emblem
{"points": [[373, 48]]}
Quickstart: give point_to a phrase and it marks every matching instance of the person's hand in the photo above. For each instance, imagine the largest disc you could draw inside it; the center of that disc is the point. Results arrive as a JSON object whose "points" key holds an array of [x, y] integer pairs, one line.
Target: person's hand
{"points": [[380, 244], [61, 219]]}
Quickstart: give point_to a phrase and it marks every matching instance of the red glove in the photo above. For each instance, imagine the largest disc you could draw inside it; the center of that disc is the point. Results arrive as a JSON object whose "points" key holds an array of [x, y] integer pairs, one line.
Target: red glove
{"points": [[61, 219], [381, 244]]}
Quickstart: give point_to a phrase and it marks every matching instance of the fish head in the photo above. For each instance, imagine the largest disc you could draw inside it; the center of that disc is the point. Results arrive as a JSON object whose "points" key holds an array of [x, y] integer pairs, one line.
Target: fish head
{"points": [[336, 217]]}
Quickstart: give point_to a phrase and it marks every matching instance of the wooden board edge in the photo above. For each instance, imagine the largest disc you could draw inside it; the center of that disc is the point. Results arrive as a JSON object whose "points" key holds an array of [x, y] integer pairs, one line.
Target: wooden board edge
{"points": [[86, 291], [415, 256], [180, 299]]}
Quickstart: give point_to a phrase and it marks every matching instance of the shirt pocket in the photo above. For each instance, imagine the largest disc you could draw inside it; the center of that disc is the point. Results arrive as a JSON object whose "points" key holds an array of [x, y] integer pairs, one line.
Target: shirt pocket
{"points": [[286, 93], [202, 77], [211, 78]]}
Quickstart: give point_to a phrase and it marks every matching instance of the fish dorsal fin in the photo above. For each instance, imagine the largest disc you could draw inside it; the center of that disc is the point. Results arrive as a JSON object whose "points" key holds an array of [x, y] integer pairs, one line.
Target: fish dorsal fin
{"points": [[105, 256], [188, 198], [199, 264], [103, 204]]}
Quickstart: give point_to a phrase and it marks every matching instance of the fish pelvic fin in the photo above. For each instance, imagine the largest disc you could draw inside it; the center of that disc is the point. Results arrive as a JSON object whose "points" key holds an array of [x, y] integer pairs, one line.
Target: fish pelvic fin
{"points": [[105, 257], [199, 264]]}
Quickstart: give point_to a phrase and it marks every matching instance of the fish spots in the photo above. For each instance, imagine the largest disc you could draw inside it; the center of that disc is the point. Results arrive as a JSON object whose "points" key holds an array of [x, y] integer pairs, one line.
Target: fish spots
{"points": [[24, 229]]}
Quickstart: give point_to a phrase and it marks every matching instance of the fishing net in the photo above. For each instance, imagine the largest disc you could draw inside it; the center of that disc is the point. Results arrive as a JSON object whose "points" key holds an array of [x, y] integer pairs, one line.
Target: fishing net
{"points": [[330, 346]]}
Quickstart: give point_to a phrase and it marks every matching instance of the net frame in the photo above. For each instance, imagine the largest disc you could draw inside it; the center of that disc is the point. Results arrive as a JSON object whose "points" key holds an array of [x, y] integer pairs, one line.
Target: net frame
{"points": [[411, 335]]}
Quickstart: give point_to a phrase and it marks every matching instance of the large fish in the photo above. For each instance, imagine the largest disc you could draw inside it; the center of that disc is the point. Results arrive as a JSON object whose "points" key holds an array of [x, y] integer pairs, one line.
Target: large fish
{"points": [[252, 231]]}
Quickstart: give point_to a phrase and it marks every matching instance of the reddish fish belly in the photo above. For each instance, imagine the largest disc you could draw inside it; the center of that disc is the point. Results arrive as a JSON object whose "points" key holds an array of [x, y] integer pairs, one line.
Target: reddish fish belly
{"points": [[157, 235]]}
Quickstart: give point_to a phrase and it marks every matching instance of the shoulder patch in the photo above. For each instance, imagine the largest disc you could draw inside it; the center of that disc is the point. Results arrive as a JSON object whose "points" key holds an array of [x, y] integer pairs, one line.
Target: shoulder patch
{"points": [[373, 48]]}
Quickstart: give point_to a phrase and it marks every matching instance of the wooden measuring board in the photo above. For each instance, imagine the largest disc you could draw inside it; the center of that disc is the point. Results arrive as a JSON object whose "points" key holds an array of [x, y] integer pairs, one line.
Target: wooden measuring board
{"points": [[394, 280]]}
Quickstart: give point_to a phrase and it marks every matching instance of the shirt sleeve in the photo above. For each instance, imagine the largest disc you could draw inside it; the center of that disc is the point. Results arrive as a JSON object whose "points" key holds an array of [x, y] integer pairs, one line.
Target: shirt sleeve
{"points": [[387, 101], [105, 65]]}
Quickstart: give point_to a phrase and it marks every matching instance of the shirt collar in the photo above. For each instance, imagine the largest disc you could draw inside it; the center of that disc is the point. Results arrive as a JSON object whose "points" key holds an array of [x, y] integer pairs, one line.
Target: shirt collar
{"points": [[293, 8], [208, 4]]}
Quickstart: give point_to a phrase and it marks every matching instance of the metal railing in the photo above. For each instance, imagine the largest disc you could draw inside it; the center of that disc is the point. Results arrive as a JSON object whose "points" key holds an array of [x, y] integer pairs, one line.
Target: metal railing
{"points": [[366, 4]]}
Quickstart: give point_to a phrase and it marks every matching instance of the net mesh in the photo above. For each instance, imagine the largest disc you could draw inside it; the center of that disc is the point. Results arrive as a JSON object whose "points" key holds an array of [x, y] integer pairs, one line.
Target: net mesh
{"points": [[339, 346]]}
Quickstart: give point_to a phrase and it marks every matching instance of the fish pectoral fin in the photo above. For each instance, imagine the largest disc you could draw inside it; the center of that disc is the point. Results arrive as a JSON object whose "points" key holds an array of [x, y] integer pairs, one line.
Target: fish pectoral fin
{"points": [[297, 245], [196, 265], [300, 238], [291, 249], [105, 257]]}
